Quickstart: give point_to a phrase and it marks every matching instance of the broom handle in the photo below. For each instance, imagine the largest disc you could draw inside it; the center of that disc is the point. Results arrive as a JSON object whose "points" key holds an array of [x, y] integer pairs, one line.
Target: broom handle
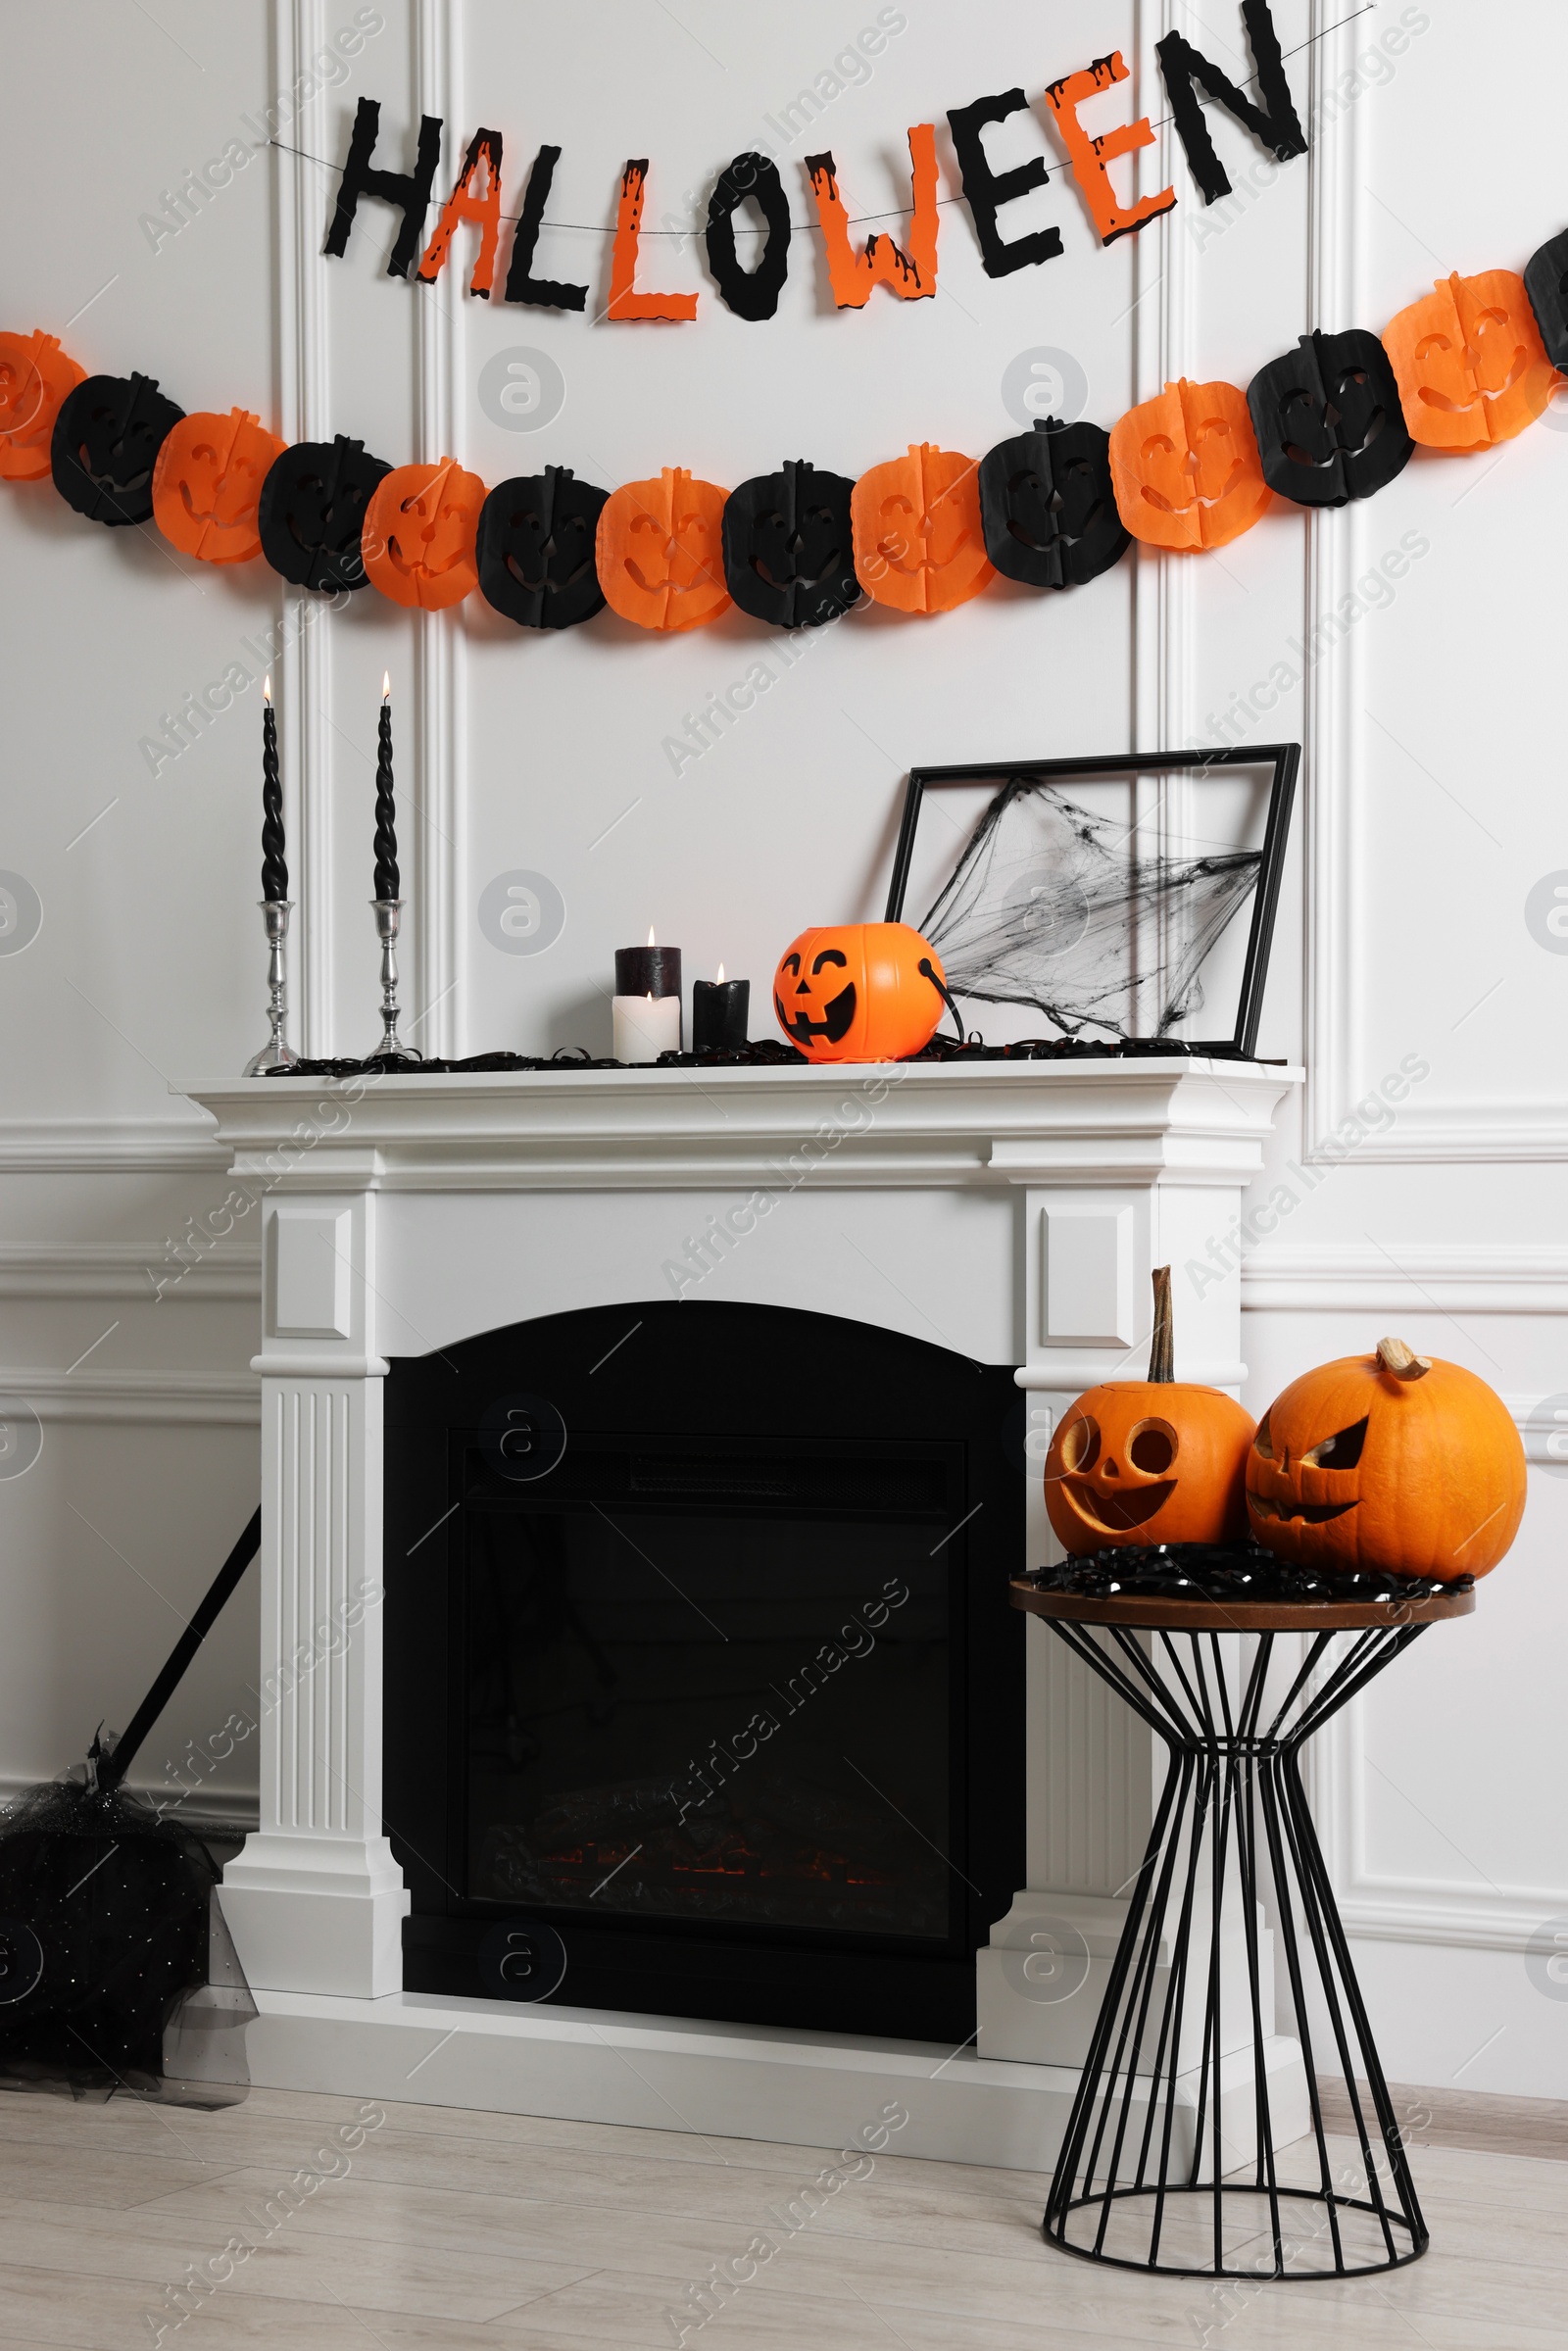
{"points": [[113, 1768]]}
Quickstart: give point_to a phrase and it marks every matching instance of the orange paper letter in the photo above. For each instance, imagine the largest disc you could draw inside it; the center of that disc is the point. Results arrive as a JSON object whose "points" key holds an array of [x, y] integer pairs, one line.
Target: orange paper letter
{"points": [[910, 270], [624, 301], [1090, 155], [484, 153]]}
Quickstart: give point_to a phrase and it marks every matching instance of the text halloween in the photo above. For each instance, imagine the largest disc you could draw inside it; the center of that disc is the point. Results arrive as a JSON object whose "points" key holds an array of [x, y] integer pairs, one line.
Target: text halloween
{"points": [[907, 269]]}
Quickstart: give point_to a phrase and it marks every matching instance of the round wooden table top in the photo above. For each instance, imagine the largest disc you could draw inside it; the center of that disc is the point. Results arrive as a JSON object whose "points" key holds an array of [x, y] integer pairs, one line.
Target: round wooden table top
{"points": [[1156, 1612]]}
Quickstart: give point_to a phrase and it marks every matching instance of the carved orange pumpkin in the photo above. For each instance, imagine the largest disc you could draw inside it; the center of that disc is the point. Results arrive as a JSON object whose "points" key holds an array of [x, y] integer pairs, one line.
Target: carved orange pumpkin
{"points": [[35, 376], [1469, 362], [1148, 1461], [418, 537], [1394, 1461], [919, 544], [859, 992], [206, 484], [1185, 466], [659, 551]]}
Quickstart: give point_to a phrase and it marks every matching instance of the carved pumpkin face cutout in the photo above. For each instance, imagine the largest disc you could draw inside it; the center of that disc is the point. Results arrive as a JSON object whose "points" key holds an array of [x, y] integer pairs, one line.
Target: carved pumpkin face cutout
{"points": [[1470, 363], [1047, 507], [1186, 467], [659, 552], [207, 485], [919, 543], [312, 512], [1329, 422], [1390, 1461], [858, 994], [35, 376], [419, 532], [105, 442], [535, 549], [788, 547]]}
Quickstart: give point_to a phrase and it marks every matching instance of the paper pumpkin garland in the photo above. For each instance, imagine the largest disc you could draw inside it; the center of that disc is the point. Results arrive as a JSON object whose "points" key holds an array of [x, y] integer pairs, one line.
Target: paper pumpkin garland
{"points": [[206, 484], [312, 512], [919, 543], [35, 376], [1470, 364], [788, 542], [862, 992], [1392, 1461], [1185, 466], [419, 536], [1328, 419], [105, 445], [1546, 284], [535, 549], [659, 552], [1048, 508]]}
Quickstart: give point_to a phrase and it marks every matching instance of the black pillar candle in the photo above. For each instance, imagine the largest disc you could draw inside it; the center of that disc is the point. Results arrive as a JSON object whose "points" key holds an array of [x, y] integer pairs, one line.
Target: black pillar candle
{"points": [[721, 1010], [386, 839], [275, 872], [648, 970]]}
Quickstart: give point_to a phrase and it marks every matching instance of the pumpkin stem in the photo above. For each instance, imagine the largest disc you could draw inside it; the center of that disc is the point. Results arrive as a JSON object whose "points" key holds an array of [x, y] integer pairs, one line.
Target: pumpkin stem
{"points": [[1401, 1362], [1163, 1349]]}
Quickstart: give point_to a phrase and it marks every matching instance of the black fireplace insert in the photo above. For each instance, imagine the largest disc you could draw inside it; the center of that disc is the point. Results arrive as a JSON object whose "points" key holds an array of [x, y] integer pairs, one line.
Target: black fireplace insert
{"points": [[701, 1674]]}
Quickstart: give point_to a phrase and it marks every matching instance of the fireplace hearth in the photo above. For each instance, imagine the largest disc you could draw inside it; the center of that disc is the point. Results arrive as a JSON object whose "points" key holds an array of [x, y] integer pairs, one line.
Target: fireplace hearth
{"points": [[698, 1653]]}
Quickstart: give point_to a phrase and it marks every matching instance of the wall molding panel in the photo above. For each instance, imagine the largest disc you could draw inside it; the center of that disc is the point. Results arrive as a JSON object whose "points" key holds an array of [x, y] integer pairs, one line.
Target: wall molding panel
{"points": [[169, 1399], [128, 1269]]}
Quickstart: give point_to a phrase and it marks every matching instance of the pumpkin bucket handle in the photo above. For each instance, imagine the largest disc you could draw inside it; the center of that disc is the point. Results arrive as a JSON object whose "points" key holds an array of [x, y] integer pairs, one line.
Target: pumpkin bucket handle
{"points": [[927, 971], [1162, 1346]]}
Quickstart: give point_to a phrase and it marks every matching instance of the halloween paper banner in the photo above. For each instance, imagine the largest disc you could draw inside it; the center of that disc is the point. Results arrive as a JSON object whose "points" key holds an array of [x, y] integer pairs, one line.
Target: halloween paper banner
{"points": [[1464, 368]]}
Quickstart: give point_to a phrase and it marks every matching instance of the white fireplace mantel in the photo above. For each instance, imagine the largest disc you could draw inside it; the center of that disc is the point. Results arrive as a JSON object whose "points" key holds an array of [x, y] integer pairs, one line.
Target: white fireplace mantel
{"points": [[1012, 1211]]}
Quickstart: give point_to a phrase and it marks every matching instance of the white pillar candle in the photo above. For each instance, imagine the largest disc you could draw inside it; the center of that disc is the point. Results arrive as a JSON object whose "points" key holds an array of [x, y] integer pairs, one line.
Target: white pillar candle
{"points": [[645, 1026]]}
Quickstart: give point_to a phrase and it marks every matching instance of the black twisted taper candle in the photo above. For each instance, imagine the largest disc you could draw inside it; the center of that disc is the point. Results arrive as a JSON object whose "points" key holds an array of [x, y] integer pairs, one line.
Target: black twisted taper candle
{"points": [[386, 839], [275, 872]]}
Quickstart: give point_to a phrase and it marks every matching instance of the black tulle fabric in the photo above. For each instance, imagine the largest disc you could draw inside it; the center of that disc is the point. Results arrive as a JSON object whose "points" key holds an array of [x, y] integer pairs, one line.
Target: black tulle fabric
{"points": [[769, 1052], [1223, 1571], [108, 1930]]}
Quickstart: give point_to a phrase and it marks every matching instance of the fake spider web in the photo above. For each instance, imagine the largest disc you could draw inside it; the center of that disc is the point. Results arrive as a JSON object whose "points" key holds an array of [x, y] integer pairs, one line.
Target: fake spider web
{"points": [[1056, 908]]}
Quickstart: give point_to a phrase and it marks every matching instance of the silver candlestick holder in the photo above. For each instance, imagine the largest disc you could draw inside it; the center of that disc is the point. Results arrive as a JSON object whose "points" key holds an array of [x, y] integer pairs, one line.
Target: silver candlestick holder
{"points": [[276, 1053], [387, 913]]}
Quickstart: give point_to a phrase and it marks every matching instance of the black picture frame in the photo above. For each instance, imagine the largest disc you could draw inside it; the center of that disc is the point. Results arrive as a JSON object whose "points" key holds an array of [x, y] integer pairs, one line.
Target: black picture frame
{"points": [[1286, 758]]}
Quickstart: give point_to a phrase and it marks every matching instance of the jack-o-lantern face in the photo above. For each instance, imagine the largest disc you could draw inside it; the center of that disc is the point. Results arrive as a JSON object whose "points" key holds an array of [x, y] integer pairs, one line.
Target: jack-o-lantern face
{"points": [[105, 445], [1328, 420], [1048, 506], [35, 376], [1392, 1461], [419, 532], [312, 512], [1186, 467], [919, 543], [859, 992], [207, 485], [659, 552], [1470, 363], [1140, 1461], [535, 549], [788, 540]]}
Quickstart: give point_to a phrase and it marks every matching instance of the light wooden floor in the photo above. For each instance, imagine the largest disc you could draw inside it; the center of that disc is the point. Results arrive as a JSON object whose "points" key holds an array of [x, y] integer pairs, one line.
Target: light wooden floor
{"points": [[450, 2229]]}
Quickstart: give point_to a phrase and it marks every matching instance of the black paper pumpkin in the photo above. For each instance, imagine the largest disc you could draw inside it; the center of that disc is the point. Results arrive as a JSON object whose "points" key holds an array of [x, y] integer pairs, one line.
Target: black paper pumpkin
{"points": [[105, 442], [1328, 419], [1048, 508], [535, 549], [789, 554], [1546, 284], [312, 512]]}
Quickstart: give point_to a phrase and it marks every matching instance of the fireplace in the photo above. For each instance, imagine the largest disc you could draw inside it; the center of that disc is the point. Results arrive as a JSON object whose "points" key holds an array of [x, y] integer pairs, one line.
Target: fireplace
{"points": [[699, 1652]]}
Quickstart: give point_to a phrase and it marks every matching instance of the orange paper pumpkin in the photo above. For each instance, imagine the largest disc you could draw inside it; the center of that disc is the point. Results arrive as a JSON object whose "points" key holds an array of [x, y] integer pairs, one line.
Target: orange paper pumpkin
{"points": [[919, 544], [859, 992], [659, 551], [1185, 466], [1148, 1461], [206, 484], [1469, 362], [1392, 1461], [418, 537], [35, 376]]}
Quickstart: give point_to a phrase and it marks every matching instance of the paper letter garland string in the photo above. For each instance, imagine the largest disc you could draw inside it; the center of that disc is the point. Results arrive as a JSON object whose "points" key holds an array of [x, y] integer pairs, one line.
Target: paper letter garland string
{"points": [[911, 271]]}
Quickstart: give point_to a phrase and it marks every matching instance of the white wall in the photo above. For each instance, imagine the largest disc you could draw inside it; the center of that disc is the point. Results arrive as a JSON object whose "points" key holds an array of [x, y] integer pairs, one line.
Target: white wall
{"points": [[1429, 805]]}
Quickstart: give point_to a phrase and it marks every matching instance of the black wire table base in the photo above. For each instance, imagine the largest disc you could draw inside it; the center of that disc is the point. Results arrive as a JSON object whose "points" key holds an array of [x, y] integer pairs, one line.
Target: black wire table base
{"points": [[1191, 2150]]}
